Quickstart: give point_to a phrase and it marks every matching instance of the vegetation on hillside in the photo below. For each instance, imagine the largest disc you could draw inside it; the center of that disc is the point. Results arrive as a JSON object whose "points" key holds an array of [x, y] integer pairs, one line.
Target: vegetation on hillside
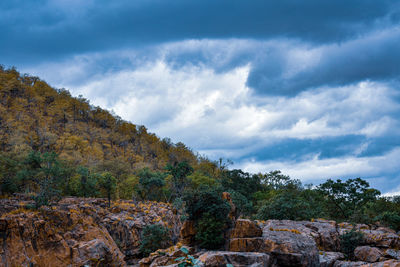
{"points": [[54, 145]]}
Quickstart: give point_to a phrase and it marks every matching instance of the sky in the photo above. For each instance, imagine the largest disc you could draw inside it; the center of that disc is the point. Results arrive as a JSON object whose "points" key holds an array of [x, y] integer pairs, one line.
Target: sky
{"points": [[311, 87]]}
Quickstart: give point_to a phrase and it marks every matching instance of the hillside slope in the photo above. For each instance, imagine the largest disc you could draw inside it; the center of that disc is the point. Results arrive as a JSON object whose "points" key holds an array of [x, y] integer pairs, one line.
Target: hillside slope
{"points": [[35, 116]]}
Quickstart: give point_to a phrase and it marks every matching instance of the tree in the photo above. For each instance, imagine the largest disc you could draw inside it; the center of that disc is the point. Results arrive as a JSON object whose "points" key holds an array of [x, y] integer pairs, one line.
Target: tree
{"points": [[150, 184], [179, 172], [108, 184], [347, 198], [45, 173], [210, 213], [87, 182]]}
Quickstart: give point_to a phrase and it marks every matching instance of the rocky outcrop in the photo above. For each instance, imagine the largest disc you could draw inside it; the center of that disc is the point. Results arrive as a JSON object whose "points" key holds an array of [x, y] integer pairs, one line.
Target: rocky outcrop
{"points": [[55, 238], [368, 254], [239, 259], [79, 231], [328, 258]]}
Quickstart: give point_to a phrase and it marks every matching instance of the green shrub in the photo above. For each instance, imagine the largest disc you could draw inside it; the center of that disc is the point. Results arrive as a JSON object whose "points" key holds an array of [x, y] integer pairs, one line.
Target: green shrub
{"points": [[153, 237], [287, 206], [210, 213], [390, 219], [349, 241]]}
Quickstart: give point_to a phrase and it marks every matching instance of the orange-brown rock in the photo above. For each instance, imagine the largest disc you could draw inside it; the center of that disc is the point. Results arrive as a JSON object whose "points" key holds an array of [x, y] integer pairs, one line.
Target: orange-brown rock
{"points": [[237, 259], [246, 244], [245, 228], [387, 263], [232, 213], [55, 238], [187, 234], [368, 254]]}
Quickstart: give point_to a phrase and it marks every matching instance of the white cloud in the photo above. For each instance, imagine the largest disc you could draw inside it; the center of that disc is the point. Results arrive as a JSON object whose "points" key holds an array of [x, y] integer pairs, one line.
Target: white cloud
{"points": [[318, 169], [215, 113]]}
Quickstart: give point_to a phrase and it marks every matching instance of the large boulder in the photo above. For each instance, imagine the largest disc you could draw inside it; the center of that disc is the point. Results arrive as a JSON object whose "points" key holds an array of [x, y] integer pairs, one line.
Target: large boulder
{"points": [[368, 254], [237, 259], [245, 228], [289, 246], [388, 263], [52, 237], [328, 258]]}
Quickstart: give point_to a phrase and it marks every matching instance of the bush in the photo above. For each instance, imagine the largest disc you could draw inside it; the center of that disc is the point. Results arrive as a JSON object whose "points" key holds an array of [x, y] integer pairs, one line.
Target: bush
{"points": [[210, 213], [349, 241], [390, 219], [153, 237], [287, 206]]}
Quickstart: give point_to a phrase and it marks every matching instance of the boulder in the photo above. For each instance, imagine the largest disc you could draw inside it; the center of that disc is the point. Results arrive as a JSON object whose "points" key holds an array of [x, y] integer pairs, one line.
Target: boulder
{"points": [[368, 254], [388, 263], [245, 228], [289, 246], [188, 233], [237, 259], [328, 258]]}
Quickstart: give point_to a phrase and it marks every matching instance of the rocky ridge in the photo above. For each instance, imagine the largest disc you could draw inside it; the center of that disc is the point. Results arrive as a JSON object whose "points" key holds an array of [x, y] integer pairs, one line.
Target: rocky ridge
{"points": [[78, 232]]}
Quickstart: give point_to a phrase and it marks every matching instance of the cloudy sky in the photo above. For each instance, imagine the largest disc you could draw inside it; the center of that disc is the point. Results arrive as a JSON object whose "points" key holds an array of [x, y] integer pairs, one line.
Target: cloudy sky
{"points": [[308, 87]]}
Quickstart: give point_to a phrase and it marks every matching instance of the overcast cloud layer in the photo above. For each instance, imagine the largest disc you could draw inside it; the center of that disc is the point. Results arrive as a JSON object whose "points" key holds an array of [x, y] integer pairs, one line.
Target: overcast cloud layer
{"points": [[307, 87]]}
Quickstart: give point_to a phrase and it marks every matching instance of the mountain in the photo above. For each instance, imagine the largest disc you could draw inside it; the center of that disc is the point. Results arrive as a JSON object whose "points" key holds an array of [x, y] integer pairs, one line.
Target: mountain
{"points": [[36, 116]]}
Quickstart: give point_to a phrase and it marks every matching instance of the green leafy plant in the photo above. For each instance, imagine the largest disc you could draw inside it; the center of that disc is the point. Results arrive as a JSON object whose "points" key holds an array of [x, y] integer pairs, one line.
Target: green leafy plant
{"points": [[210, 213], [349, 241], [187, 260], [153, 237]]}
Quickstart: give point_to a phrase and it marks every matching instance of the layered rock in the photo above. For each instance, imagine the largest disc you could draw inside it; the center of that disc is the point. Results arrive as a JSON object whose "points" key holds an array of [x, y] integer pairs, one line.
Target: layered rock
{"points": [[86, 230], [55, 238]]}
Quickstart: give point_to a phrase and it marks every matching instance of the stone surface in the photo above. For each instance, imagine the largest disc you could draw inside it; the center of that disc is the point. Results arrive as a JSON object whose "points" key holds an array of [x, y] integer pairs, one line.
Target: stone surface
{"points": [[289, 246], [245, 228], [328, 258], [187, 233], [388, 263], [368, 254], [237, 259], [79, 229], [56, 238]]}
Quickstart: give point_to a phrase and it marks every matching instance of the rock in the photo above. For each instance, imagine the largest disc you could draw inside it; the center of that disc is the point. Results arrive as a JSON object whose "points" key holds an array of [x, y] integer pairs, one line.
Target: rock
{"points": [[381, 237], [328, 258], [245, 228], [388, 263], [392, 253], [187, 233], [232, 214], [246, 244], [368, 254], [163, 257], [239, 259], [289, 246], [325, 234], [55, 238]]}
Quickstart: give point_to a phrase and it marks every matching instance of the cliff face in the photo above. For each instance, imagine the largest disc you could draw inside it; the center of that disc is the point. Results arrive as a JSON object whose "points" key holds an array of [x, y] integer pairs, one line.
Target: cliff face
{"points": [[80, 232]]}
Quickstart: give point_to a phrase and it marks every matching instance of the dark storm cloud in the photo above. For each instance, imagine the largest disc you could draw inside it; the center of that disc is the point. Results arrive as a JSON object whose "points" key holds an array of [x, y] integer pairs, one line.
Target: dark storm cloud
{"points": [[376, 57], [35, 30]]}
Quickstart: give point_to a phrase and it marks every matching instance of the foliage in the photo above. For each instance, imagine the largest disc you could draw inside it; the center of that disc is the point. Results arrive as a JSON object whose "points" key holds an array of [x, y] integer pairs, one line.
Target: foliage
{"points": [[45, 172], [349, 241], [287, 206], [209, 212], [244, 207], [390, 219], [108, 184], [153, 237], [179, 172], [150, 184], [344, 198], [187, 260]]}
